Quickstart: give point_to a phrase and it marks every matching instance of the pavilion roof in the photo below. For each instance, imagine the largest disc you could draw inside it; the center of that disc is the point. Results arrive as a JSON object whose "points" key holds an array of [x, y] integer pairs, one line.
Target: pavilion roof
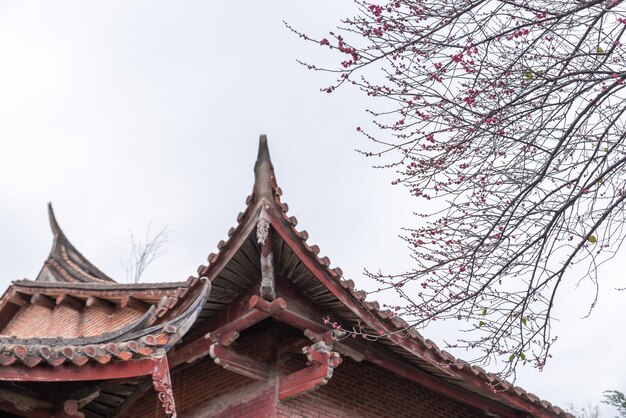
{"points": [[75, 324], [299, 263], [154, 316]]}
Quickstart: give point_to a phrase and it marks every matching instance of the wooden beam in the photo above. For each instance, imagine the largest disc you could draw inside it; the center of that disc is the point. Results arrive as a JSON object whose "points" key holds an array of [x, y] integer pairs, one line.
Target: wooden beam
{"points": [[99, 303], [243, 312], [234, 309], [71, 373], [67, 409], [258, 310], [189, 352], [195, 344], [302, 381], [71, 302], [43, 300], [238, 363]]}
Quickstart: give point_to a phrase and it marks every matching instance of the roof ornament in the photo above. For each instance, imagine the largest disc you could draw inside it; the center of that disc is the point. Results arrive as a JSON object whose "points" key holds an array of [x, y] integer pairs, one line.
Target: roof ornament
{"points": [[65, 263], [264, 238], [262, 226], [54, 225], [264, 184], [264, 178]]}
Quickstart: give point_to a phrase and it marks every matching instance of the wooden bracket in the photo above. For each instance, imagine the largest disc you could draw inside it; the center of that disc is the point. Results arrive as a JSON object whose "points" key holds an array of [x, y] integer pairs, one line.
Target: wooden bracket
{"points": [[238, 363], [20, 299], [71, 302], [162, 384], [134, 303], [100, 303], [323, 362], [258, 310]]}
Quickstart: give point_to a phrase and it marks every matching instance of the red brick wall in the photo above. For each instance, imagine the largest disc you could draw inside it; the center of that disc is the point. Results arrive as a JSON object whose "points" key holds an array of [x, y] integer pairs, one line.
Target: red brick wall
{"points": [[204, 389], [263, 406], [368, 391], [37, 321], [203, 383], [193, 387]]}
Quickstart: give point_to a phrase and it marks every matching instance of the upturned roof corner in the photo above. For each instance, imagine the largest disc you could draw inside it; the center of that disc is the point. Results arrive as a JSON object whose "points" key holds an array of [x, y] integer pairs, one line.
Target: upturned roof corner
{"points": [[264, 177], [65, 263], [54, 225]]}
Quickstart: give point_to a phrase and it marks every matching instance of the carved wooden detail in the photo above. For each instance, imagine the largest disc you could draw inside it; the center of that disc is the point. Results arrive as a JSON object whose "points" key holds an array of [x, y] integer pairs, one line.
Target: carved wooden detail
{"points": [[162, 384], [322, 362]]}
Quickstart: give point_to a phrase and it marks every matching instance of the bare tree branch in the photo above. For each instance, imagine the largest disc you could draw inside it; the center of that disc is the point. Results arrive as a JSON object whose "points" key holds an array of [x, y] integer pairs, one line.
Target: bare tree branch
{"points": [[507, 118], [143, 253]]}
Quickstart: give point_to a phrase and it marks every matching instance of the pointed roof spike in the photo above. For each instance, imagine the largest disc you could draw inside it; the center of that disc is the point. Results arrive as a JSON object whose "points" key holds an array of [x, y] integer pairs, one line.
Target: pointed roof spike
{"points": [[65, 263], [54, 225], [264, 178]]}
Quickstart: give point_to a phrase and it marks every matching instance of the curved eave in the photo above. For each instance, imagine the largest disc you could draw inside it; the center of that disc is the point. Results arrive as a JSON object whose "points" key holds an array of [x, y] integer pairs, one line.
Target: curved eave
{"points": [[65, 263], [399, 335], [133, 342], [97, 288]]}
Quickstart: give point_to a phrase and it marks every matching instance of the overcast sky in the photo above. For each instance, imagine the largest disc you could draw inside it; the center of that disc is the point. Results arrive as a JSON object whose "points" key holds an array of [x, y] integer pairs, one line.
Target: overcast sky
{"points": [[127, 112]]}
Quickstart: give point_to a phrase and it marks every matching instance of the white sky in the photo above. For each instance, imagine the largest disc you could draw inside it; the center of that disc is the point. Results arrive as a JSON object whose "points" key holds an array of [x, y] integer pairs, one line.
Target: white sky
{"points": [[122, 112]]}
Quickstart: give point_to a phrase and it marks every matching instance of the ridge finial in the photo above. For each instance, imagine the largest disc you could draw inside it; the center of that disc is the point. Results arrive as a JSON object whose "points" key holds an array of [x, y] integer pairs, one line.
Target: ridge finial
{"points": [[264, 178], [54, 225]]}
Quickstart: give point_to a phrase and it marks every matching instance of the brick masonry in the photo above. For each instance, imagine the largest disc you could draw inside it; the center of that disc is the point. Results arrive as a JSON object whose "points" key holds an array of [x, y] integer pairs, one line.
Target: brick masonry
{"points": [[64, 322], [204, 389]]}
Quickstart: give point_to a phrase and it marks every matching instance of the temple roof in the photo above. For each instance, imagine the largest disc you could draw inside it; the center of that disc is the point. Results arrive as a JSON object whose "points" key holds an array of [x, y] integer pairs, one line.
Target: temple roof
{"points": [[145, 320], [65, 263], [54, 325], [299, 266]]}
